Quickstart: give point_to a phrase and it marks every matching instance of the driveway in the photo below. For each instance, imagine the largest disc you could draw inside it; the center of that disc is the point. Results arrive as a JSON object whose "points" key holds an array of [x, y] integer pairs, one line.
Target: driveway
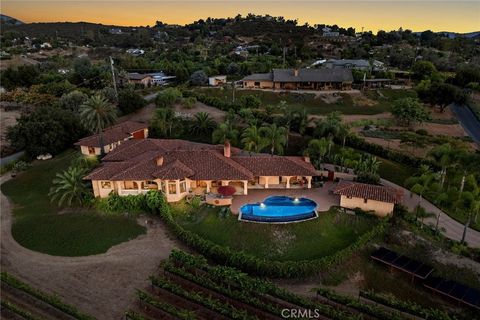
{"points": [[101, 285], [468, 120]]}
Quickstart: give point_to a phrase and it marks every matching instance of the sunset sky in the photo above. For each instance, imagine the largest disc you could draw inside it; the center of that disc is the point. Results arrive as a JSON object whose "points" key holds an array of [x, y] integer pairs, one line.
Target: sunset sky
{"points": [[457, 16]]}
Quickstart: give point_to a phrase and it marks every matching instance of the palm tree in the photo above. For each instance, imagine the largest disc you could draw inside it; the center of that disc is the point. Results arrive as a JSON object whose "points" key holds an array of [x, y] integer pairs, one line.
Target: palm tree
{"points": [[69, 186], [329, 126], [225, 131], [422, 214], [342, 133], [163, 120], [275, 137], [203, 123], [96, 113], [444, 155], [252, 140], [318, 148], [421, 186], [302, 118]]}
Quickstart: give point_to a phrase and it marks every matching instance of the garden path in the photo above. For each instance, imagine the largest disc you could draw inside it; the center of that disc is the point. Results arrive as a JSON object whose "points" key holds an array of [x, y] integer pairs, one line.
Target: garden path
{"points": [[100, 285]]}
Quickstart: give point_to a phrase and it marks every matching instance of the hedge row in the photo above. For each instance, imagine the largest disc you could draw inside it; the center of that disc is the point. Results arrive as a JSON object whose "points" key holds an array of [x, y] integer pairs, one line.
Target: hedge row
{"points": [[18, 311], [50, 299], [372, 310], [406, 306], [375, 149], [265, 267], [234, 278], [182, 314]]}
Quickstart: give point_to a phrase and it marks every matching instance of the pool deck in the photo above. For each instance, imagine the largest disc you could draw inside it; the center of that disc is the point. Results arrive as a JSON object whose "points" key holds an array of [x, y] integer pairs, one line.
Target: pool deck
{"points": [[321, 196]]}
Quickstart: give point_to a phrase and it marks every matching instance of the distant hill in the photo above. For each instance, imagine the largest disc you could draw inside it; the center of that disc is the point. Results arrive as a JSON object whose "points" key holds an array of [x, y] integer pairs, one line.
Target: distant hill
{"points": [[9, 21], [453, 35]]}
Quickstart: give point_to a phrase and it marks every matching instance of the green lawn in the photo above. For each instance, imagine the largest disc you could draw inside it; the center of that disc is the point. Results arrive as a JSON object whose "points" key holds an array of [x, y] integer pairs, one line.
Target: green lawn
{"points": [[306, 240], [43, 226], [394, 171], [314, 105]]}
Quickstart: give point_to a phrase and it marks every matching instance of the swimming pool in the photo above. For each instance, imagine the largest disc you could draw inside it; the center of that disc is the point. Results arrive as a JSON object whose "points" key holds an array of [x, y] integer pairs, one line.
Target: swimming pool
{"points": [[279, 209]]}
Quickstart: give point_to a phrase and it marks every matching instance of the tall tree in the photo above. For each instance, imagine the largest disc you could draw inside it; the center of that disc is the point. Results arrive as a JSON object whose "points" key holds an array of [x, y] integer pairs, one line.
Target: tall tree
{"points": [[275, 137], [163, 121], [203, 123], [96, 114], [225, 131], [252, 140], [69, 186], [409, 111], [318, 149]]}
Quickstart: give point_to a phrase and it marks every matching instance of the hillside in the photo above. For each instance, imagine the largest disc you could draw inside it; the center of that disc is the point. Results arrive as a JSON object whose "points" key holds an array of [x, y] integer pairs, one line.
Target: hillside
{"points": [[9, 21]]}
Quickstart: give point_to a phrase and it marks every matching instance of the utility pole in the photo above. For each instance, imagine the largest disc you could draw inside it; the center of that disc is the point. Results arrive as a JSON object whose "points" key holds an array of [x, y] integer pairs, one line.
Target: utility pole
{"points": [[113, 78]]}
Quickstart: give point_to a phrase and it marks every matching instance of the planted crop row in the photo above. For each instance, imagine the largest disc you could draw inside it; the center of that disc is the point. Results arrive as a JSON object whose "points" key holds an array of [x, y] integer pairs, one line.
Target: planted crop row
{"points": [[373, 310], [50, 299], [132, 315], [214, 304], [406, 306], [256, 285], [17, 310], [168, 308], [243, 296]]}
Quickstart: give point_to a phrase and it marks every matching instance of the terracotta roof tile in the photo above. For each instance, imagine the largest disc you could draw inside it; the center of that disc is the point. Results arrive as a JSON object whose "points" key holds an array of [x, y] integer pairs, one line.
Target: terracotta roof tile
{"points": [[368, 191], [276, 165], [112, 134]]}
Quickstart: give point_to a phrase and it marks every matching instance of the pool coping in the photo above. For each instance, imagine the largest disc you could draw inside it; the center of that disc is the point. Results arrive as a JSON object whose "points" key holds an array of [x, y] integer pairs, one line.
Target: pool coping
{"points": [[276, 222]]}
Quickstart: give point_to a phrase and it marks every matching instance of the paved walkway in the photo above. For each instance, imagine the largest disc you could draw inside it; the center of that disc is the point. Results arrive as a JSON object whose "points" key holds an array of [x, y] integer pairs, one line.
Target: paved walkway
{"points": [[101, 285], [468, 120]]}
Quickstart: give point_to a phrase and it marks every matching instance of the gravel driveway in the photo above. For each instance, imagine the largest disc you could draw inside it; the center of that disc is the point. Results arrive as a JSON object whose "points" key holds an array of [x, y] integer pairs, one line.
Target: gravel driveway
{"points": [[101, 285]]}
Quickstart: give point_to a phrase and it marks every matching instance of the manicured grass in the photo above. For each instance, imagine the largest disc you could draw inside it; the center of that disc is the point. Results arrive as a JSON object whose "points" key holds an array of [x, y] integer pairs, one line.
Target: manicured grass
{"points": [[394, 171], [306, 240], [43, 226], [316, 105]]}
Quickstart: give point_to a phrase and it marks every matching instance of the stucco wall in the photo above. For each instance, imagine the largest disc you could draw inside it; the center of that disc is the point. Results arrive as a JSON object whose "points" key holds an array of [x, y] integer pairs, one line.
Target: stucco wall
{"points": [[381, 208], [262, 85]]}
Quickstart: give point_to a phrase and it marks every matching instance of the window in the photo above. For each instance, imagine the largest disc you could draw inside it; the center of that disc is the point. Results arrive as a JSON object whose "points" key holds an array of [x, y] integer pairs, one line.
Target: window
{"points": [[349, 197], [106, 185], [365, 200], [172, 187], [91, 150], [183, 187], [257, 84], [151, 185], [130, 185]]}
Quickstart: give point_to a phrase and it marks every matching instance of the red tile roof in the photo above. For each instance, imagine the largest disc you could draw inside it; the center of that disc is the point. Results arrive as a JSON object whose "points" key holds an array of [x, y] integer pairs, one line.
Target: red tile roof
{"points": [[368, 191], [113, 134], [137, 160]]}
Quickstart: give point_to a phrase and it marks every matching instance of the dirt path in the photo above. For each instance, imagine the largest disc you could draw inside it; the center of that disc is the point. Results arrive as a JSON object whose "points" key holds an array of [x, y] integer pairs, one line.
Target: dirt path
{"points": [[217, 114], [101, 285]]}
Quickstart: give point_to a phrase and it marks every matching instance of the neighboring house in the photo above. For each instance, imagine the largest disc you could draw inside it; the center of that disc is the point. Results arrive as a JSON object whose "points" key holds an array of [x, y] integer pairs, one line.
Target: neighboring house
{"points": [[368, 197], [301, 79], [358, 64], [179, 167], [327, 32], [160, 78], [378, 66], [115, 31], [139, 78], [136, 52], [112, 137], [217, 80]]}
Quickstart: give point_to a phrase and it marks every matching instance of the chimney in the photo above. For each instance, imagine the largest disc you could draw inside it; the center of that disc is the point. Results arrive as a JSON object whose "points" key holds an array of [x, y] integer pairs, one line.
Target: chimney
{"points": [[306, 159], [295, 72], [226, 149], [159, 161]]}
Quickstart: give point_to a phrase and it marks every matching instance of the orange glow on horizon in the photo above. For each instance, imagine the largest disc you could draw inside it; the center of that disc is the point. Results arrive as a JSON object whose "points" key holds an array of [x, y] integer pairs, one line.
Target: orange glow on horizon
{"points": [[457, 16]]}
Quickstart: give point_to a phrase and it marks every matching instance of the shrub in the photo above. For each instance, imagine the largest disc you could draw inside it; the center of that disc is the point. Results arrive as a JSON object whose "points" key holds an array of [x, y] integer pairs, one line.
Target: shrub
{"points": [[167, 97], [189, 102], [130, 101]]}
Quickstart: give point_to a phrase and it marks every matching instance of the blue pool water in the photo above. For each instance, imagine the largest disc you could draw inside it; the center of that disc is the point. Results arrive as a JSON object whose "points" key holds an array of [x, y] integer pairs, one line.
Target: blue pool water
{"points": [[279, 209]]}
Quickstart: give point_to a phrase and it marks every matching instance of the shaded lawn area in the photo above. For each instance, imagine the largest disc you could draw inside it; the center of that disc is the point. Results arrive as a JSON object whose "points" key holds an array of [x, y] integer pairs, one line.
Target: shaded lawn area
{"points": [[313, 104], [306, 240], [394, 171], [43, 226]]}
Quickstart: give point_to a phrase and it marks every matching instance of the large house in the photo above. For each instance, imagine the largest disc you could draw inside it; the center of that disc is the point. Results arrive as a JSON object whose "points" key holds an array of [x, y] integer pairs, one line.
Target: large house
{"points": [[179, 168], [301, 79], [357, 64], [112, 137], [380, 199], [139, 78]]}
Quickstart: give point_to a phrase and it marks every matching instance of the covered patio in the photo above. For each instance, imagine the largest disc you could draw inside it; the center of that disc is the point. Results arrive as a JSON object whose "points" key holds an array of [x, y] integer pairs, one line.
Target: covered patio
{"points": [[321, 196]]}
